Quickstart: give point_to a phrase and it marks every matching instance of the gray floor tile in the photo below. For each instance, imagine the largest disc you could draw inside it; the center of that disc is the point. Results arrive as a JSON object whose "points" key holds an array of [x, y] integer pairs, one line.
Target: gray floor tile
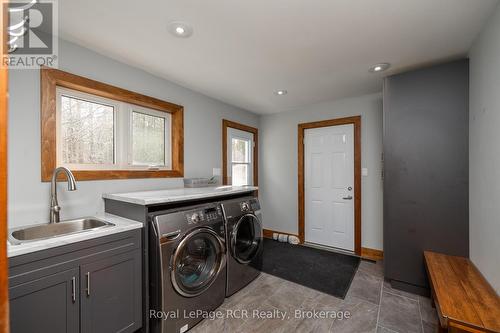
{"points": [[428, 313], [374, 268], [288, 297], [350, 302], [400, 314], [251, 301], [254, 293], [305, 320], [366, 286], [310, 325], [218, 325], [388, 288], [233, 301], [381, 329], [429, 328], [260, 325], [319, 299], [362, 317], [328, 300], [264, 284], [264, 326]]}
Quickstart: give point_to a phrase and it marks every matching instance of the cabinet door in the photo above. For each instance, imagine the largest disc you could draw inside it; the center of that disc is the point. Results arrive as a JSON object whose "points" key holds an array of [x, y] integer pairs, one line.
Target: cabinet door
{"points": [[48, 304], [111, 294]]}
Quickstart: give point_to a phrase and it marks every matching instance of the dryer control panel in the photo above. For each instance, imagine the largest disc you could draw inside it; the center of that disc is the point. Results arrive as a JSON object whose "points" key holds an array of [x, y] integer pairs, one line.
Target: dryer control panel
{"points": [[204, 215], [250, 205]]}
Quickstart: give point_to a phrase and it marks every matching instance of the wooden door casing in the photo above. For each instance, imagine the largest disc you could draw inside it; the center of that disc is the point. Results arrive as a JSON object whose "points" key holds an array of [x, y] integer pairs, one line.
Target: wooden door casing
{"points": [[356, 120]]}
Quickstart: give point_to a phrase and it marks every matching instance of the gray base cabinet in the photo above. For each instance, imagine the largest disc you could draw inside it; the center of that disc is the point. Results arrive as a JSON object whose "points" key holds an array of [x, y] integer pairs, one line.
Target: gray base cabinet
{"points": [[109, 296], [92, 286], [49, 304]]}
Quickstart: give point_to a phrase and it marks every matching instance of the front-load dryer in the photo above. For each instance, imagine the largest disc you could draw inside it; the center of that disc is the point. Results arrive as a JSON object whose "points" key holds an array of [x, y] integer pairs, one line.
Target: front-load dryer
{"points": [[187, 266], [244, 239]]}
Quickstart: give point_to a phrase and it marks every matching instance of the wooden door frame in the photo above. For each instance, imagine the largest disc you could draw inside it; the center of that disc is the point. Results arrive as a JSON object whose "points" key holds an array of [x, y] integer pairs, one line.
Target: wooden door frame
{"points": [[356, 121], [4, 268], [231, 124]]}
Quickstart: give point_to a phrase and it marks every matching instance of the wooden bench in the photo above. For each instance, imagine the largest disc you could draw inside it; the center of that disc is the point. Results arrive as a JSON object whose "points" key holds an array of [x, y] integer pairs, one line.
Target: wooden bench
{"points": [[464, 300]]}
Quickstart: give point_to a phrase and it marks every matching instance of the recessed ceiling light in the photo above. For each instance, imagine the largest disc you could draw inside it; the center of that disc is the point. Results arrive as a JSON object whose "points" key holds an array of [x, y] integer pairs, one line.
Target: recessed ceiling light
{"points": [[281, 92], [379, 67], [180, 29]]}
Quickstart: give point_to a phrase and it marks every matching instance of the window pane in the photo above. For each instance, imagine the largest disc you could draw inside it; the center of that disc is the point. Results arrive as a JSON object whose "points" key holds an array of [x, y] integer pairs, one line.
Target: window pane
{"points": [[148, 135], [240, 174], [240, 151], [87, 132]]}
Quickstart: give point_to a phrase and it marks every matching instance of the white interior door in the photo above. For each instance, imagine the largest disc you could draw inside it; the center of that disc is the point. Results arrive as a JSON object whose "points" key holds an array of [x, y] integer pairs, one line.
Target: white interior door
{"points": [[329, 186], [240, 157]]}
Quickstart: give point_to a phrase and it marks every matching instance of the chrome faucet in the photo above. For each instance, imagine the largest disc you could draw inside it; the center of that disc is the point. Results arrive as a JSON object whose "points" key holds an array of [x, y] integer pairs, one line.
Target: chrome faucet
{"points": [[54, 206]]}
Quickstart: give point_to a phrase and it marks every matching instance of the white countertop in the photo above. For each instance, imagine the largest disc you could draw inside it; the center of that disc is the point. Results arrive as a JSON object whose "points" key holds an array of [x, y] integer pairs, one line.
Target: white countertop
{"points": [[177, 194], [120, 225]]}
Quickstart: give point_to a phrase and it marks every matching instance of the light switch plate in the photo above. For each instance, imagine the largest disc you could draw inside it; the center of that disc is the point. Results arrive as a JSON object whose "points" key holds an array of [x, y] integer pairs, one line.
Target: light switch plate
{"points": [[216, 172], [364, 172]]}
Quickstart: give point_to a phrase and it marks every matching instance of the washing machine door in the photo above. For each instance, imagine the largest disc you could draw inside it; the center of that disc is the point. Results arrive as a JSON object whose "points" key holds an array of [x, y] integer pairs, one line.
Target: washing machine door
{"points": [[197, 261], [246, 238]]}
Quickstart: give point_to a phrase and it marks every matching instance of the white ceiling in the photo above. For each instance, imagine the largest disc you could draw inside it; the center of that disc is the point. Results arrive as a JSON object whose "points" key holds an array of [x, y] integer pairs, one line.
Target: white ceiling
{"points": [[242, 51]]}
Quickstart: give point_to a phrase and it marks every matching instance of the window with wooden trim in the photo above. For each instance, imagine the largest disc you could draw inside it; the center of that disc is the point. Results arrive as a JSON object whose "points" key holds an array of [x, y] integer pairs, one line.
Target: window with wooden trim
{"points": [[240, 157], [239, 154], [102, 132]]}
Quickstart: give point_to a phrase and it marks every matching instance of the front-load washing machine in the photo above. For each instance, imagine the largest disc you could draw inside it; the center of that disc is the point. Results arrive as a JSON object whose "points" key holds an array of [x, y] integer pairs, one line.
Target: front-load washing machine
{"points": [[187, 266], [244, 241]]}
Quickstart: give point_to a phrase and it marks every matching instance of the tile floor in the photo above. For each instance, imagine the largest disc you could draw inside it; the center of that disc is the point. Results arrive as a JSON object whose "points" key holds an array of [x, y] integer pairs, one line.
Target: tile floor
{"points": [[371, 304]]}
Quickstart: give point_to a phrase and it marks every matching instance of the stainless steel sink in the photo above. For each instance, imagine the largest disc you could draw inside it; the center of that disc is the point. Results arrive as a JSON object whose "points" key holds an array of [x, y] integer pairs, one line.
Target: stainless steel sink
{"points": [[44, 231]]}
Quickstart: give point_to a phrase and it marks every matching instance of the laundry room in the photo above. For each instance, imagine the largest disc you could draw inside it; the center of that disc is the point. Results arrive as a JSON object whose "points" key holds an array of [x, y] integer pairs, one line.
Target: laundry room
{"points": [[284, 166]]}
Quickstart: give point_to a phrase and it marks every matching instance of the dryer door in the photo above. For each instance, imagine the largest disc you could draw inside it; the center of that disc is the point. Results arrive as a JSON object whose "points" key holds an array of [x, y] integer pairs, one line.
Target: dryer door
{"points": [[197, 261], [246, 238]]}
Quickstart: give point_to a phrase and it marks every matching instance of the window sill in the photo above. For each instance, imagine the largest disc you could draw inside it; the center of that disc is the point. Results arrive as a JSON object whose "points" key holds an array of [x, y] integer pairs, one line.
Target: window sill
{"points": [[118, 174]]}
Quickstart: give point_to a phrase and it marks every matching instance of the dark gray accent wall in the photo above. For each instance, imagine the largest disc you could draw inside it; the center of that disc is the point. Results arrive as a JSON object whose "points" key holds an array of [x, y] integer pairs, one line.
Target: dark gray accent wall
{"points": [[425, 168]]}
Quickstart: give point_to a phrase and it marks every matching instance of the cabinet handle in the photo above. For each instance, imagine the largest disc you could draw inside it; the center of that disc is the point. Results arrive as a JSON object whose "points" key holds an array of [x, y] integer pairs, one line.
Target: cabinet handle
{"points": [[88, 283], [73, 289]]}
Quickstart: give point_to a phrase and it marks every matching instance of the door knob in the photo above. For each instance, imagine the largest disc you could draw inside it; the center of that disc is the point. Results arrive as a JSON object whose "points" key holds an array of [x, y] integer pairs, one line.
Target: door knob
{"points": [[347, 198]]}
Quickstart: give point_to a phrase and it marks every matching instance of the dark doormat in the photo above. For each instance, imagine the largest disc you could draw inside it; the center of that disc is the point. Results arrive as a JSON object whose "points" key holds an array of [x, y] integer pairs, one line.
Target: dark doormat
{"points": [[325, 271]]}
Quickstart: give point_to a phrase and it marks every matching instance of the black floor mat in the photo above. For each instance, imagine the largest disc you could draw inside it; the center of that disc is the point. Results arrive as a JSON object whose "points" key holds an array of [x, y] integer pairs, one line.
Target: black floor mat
{"points": [[325, 271]]}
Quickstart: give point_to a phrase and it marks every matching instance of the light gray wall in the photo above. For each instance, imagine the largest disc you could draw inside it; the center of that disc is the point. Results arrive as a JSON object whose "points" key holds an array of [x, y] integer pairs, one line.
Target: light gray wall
{"points": [[29, 197], [278, 163], [484, 151]]}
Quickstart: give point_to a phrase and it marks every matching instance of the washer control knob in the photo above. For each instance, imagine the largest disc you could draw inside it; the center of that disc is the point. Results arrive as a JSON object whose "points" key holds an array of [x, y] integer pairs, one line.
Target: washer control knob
{"points": [[195, 217], [245, 206]]}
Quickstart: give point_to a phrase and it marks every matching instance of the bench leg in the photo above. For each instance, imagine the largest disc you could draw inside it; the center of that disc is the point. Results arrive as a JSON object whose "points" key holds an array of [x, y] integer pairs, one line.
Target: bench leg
{"points": [[432, 298], [440, 329]]}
